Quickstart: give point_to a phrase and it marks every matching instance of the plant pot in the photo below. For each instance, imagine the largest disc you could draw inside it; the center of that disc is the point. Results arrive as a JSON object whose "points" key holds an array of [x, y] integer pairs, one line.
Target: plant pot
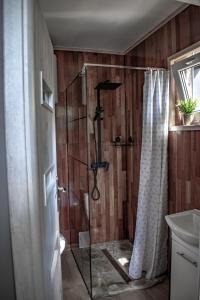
{"points": [[187, 119]]}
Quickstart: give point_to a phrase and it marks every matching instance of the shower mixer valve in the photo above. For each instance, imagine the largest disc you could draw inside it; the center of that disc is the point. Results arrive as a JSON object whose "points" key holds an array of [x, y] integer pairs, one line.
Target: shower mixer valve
{"points": [[100, 165], [98, 112]]}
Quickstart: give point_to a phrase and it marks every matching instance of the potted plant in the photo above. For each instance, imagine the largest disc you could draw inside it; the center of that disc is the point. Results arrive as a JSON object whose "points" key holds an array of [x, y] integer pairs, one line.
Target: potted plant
{"points": [[186, 108]]}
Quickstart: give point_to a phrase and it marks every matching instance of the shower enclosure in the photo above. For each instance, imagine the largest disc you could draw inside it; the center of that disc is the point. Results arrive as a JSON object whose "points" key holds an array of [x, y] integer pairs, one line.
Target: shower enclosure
{"points": [[101, 142]]}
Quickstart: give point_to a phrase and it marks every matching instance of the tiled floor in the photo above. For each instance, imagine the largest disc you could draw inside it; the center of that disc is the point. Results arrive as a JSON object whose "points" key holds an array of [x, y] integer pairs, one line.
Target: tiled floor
{"points": [[74, 288]]}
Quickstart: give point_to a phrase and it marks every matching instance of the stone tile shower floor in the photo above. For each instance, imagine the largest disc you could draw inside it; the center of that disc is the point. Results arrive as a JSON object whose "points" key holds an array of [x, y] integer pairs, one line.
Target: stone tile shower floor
{"points": [[106, 279], [74, 288], [121, 251]]}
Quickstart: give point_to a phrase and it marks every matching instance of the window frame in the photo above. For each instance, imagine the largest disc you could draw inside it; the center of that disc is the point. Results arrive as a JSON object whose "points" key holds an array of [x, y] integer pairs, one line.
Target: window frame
{"points": [[181, 55], [182, 65]]}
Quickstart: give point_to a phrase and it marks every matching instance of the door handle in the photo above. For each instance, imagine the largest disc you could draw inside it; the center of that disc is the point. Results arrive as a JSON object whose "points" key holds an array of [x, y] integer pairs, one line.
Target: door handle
{"points": [[61, 189], [194, 263]]}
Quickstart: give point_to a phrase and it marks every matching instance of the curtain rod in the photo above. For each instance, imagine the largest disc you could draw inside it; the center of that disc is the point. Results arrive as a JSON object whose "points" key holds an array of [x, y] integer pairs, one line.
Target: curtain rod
{"points": [[85, 65]]}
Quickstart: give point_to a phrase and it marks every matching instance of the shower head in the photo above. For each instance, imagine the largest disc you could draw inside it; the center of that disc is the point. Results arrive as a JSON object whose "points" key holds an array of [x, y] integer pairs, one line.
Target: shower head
{"points": [[107, 85]]}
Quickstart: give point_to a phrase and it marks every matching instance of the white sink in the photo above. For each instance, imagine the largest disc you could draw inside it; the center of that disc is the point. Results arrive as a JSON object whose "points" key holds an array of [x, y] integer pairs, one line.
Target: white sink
{"points": [[186, 225]]}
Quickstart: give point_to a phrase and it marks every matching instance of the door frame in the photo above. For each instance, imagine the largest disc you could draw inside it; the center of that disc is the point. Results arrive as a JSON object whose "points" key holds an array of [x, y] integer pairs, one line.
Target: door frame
{"points": [[21, 148], [7, 286]]}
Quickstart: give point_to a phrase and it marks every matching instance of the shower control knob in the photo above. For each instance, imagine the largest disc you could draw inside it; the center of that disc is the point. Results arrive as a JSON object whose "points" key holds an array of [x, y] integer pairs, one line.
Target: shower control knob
{"points": [[118, 139], [130, 140]]}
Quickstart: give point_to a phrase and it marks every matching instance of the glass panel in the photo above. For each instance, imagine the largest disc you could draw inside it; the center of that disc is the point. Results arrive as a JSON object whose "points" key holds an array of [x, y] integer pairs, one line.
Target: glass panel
{"points": [[187, 77], [190, 79], [196, 85], [78, 178], [187, 81], [110, 246]]}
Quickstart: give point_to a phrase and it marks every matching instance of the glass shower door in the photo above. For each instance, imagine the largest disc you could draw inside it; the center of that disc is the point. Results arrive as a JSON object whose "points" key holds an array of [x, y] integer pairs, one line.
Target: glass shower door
{"points": [[78, 178], [110, 246]]}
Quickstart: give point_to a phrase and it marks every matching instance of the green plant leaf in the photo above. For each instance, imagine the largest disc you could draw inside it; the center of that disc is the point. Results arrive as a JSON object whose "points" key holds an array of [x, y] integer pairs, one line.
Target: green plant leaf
{"points": [[187, 106]]}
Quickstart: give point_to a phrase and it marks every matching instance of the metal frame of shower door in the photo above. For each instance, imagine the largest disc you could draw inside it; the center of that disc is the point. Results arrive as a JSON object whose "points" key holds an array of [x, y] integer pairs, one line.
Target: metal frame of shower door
{"points": [[88, 184], [199, 272], [89, 290]]}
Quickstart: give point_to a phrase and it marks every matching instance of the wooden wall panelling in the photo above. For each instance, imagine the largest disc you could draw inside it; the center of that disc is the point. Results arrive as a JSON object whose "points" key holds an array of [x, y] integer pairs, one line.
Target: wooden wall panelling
{"points": [[184, 170], [179, 33], [77, 157], [82, 140], [134, 129], [109, 213], [67, 72], [69, 65], [77, 188]]}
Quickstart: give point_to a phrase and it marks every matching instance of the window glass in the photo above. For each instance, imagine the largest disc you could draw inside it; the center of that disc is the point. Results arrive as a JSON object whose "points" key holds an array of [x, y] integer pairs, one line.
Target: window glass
{"points": [[196, 82], [187, 78], [190, 81]]}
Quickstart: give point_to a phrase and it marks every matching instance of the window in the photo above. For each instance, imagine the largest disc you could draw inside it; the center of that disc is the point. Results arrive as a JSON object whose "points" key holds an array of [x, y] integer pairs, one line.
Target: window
{"points": [[187, 78]]}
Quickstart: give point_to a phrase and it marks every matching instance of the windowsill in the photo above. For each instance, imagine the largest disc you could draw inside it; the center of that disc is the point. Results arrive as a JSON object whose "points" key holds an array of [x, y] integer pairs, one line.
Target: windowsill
{"points": [[184, 128]]}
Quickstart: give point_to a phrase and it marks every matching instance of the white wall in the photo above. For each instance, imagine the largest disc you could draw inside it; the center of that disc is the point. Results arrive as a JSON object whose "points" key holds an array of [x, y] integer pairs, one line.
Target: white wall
{"points": [[21, 150]]}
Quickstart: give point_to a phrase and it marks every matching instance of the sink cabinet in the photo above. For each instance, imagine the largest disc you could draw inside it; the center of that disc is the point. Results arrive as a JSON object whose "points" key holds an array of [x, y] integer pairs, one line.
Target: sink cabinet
{"points": [[184, 271]]}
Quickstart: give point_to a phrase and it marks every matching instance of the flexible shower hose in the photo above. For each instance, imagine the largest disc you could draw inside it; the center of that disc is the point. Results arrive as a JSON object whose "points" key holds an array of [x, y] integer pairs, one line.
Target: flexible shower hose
{"points": [[95, 194], [95, 191]]}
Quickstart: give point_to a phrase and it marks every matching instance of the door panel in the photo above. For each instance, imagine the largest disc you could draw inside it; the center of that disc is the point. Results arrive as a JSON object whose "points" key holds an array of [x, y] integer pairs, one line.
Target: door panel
{"points": [[45, 117]]}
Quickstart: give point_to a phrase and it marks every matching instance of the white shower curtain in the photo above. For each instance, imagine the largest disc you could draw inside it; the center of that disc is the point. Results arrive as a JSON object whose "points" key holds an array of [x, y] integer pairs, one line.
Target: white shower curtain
{"points": [[150, 244]]}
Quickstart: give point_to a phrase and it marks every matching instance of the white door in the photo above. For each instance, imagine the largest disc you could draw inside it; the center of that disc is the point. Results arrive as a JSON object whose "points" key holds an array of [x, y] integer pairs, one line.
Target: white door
{"points": [[45, 118], [48, 188], [31, 164]]}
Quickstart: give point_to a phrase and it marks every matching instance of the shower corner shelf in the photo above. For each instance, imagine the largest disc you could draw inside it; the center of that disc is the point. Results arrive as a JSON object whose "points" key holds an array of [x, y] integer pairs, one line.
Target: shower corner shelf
{"points": [[115, 144]]}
